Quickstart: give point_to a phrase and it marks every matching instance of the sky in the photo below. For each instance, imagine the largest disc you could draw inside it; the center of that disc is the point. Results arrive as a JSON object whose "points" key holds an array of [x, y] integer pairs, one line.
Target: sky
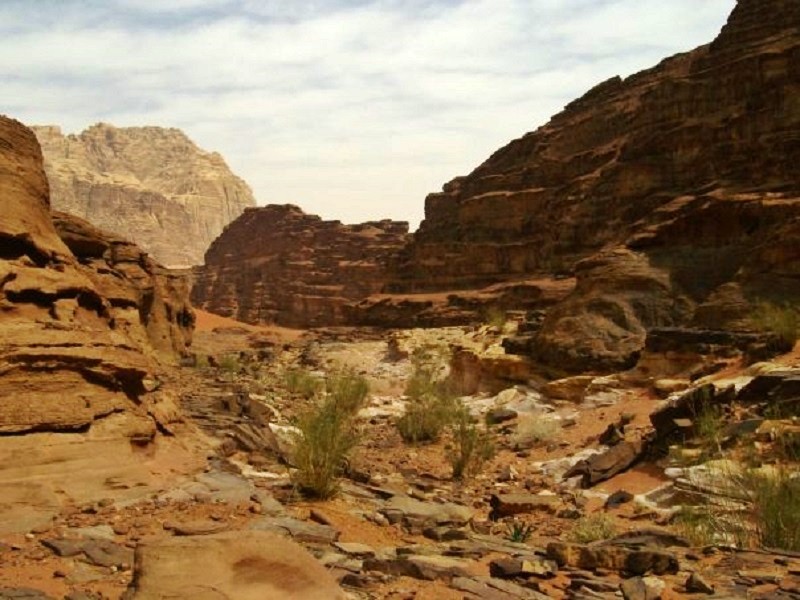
{"points": [[352, 109]]}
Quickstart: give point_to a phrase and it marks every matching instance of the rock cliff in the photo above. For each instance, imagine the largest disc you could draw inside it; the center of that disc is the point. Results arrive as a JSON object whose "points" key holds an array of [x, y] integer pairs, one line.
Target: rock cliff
{"points": [[84, 320], [150, 184], [672, 195], [276, 264]]}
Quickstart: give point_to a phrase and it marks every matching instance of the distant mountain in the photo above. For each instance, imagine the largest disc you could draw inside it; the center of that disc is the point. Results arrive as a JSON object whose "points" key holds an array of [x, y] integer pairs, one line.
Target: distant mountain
{"points": [[152, 185]]}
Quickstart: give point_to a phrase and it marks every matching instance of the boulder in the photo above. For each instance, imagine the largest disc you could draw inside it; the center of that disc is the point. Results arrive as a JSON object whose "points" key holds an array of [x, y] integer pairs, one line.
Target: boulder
{"points": [[605, 465]]}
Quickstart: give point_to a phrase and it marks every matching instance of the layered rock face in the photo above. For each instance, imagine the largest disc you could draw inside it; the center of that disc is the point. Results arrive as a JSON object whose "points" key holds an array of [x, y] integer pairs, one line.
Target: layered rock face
{"points": [[149, 184], [673, 195], [83, 318], [277, 264], [148, 302]]}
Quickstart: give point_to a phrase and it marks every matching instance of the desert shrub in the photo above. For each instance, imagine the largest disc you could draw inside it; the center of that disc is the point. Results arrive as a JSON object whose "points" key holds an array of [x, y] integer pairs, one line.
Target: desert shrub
{"points": [[426, 418], [775, 500], [532, 431], [230, 363], [326, 439], [782, 320], [495, 316], [347, 390], [518, 532], [766, 513], [201, 361], [472, 447], [592, 528], [709, 427], [430, 408], [303, 383], [709, 525]]}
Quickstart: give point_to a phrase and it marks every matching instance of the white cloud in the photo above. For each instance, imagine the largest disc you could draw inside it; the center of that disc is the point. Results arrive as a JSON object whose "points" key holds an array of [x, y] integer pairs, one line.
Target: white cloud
{"points": [[354, 109]]}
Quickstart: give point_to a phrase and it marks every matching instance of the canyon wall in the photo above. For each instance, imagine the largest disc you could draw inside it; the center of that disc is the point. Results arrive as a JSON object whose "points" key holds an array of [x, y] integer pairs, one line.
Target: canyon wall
{"points": [[671, 195], [86, 321], [151, 185], [276, 264]]}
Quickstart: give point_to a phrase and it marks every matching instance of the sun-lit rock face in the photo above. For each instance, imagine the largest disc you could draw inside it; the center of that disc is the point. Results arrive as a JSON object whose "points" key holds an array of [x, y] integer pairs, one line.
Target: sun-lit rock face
{"points": [[151, 185], [655, 191], [86, 320]]}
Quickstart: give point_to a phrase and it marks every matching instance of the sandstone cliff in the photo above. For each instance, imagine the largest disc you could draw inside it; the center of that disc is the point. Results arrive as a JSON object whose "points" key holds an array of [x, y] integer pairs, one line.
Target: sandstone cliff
{"points": [[669, 194], [277, 264], [149, 184], [83, 318]]}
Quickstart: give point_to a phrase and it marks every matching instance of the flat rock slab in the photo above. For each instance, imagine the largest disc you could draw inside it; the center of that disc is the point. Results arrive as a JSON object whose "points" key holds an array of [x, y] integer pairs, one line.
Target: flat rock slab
{"points": [[302, 531], [417, 515], [613, 557], [532, 566], [429, 568], [235, 565], [504, 505], [23, 594], [195, 527], [99, 552], [487, 588]]}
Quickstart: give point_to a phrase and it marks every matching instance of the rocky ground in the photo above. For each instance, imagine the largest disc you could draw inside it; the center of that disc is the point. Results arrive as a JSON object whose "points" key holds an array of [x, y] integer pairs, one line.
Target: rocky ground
{"points": [[574, 508]]}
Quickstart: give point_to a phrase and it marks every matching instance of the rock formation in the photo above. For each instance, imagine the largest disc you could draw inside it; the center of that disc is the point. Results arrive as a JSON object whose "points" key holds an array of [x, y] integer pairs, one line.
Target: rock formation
{"points": [[83, 318], [673, 196], [277, 264], [149, 184]]}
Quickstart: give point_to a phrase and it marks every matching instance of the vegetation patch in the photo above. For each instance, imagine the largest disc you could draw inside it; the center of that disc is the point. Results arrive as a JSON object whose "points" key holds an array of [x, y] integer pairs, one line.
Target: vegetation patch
{"points": [[302, 383], [780, 319], [592, 528], [328, 433], [472, 446]]}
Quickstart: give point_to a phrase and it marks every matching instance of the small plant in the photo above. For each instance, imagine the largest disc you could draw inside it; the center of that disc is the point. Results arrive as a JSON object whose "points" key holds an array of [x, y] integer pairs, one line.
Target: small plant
{"points": [[782, 320], [533, 431], [708, 427], [472, 447], [431, 407], [201, 361], [518, 532], [776, 508], [426, 418], [326, 439], [347, 390], [592, 528], [230, 363], [495, 316], [303, 383], [707, 525]]}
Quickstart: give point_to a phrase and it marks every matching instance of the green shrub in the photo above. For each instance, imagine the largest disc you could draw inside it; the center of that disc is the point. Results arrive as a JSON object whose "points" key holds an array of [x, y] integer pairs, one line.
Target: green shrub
{"points": [[430, 408], [230, 363], [328, 436], [592, 528], [518, 532], [768, 514], [302, 383], [709, 427], [775, 502], [709, 525], [534, 430], [782, 320], [495, 316], [472, 447], [426, 418], [347, 390]]}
